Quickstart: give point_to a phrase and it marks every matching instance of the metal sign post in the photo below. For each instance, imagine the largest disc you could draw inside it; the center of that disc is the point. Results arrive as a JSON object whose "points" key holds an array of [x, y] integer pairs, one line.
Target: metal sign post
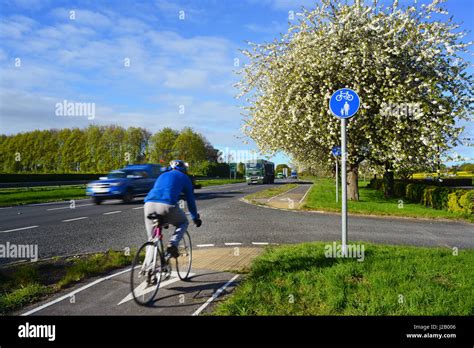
{"points": [[344, 104], [337, 180], [344, 186], [336, 151]]}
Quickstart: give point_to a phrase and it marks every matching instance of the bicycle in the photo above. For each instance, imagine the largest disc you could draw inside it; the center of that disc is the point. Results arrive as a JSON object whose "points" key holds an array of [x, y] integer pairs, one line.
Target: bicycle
{"points": [[159, 267], [345, 95]]}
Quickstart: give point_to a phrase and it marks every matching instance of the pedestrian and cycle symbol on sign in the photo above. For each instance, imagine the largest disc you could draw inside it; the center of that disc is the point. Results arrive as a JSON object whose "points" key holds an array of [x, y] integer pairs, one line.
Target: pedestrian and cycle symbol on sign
{"points": [[344, 103]]}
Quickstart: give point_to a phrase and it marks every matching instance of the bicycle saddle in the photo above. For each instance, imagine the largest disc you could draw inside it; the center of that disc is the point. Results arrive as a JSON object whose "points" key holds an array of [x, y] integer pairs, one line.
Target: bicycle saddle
{"points": [[155, 216]]}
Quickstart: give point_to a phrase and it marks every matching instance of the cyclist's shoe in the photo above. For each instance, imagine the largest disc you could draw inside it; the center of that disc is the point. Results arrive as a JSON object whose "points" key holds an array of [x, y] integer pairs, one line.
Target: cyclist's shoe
{"points": [[153, 280], [172, 251], [149, 277], [167, 271]]}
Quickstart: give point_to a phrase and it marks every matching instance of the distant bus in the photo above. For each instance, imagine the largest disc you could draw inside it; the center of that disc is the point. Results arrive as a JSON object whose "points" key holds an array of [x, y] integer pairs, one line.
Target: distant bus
{"points": [[259, 172]]}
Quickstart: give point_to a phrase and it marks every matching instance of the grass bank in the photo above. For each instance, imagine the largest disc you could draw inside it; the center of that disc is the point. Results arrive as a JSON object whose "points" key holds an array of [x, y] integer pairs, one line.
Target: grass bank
{"points": [[212, 182], [270, 192], [322, 197], [24, 284], [391, 280], [29, 195]]}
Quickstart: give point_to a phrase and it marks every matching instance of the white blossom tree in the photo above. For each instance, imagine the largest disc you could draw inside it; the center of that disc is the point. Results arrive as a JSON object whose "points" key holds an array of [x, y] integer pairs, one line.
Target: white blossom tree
{"points": [[406, 63]]}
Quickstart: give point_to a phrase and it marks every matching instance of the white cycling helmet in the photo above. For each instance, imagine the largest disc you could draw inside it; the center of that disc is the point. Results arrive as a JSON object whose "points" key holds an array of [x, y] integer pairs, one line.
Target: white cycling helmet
{"points": [[179, 165]]}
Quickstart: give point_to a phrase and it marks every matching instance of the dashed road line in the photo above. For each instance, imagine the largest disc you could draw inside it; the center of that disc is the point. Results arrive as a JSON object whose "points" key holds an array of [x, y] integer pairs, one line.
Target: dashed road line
{"points": [[75, 219], [41, 204], [229, 244], [19, 229], [260, 243], [204, 245], [215, 295], [112, 212], [137, 208], [77, 206]]}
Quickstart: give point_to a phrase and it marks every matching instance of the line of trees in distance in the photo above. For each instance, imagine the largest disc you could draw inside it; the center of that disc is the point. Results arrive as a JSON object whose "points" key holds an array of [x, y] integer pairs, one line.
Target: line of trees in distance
{"points": [[98, 149]]}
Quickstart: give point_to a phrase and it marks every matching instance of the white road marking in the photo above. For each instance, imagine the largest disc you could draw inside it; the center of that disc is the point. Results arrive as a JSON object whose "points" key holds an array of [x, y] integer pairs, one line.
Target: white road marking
{"points": [[19, 229], [233, 244], [214, 296], [112, 212], [67, 296], [307, 191], [260, 243], [6, 208], [75, 219], [137, 208], [281, 194], [40, 204], [140, 289], [68, 207], [204, 245]]}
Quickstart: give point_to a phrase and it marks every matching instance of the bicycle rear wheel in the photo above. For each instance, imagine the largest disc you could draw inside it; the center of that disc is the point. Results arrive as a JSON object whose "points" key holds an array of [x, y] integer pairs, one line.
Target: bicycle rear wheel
{"points": [[185, 258], [145, 281]]}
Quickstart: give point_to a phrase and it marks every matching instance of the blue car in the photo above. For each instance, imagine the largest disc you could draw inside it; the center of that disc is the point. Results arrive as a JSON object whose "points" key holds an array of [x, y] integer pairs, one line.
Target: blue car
{"points": [[125, 183]]}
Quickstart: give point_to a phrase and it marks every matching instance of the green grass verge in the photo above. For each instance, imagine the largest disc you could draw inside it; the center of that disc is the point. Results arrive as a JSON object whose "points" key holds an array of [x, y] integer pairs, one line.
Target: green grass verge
{"points": [[213, 182], [18, 196], [24, 284], [392, 280], [371, 201], [270, 192]]}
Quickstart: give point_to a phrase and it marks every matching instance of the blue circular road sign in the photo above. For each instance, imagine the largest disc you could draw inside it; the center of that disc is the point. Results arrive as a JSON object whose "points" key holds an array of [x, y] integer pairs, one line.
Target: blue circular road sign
{"points": [[336, 151], [344, 103]]}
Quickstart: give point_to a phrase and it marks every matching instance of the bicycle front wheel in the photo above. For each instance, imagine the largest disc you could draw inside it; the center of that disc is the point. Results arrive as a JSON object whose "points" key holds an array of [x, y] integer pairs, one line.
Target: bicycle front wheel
{"points": [[145, 278], [185, 258]]}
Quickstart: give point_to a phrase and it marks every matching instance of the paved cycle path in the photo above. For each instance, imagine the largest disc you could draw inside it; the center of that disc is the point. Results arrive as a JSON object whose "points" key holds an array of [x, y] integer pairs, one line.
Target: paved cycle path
{"points": [[111, 294]]}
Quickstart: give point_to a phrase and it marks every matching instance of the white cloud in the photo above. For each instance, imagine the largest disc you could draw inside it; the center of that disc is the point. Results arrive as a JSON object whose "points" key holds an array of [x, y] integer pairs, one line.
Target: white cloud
{"points": [[218, 121], [15, 27], [185, 78], [82, 17]]}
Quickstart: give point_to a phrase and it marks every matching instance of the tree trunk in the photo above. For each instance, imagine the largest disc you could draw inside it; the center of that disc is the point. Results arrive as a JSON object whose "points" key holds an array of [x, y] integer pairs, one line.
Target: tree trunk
{"points": [[353, 183], [388, 183]]}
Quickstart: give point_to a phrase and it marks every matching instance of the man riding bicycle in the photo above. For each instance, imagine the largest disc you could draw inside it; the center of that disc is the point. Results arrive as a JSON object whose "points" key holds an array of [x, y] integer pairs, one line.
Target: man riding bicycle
{"points": [[163, 200]]}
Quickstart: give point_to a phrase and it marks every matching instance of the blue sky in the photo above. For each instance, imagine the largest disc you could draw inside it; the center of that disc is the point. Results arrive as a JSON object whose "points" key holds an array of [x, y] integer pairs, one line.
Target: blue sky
{"points": [[173, 62]]}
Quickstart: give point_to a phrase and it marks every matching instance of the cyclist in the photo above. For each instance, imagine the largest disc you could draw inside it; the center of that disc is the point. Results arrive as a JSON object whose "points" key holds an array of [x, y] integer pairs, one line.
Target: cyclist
{"points": [[163, 200]]}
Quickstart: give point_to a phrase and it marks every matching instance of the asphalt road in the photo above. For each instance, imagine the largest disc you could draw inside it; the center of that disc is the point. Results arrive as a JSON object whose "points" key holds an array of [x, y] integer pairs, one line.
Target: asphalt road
{"points": [[226, 219]]}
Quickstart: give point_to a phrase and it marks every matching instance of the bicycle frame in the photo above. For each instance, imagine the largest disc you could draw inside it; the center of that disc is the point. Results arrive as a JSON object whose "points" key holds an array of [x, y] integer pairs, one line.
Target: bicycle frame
{"points": [[158, 237]]}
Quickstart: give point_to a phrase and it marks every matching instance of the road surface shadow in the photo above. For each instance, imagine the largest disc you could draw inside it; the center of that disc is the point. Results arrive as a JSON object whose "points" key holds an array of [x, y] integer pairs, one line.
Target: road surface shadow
{"points": [[200, 294]]}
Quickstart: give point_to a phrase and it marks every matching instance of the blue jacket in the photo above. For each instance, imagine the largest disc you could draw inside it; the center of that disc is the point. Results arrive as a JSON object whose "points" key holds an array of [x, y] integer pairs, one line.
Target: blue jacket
{"points": [[169, 186]]}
